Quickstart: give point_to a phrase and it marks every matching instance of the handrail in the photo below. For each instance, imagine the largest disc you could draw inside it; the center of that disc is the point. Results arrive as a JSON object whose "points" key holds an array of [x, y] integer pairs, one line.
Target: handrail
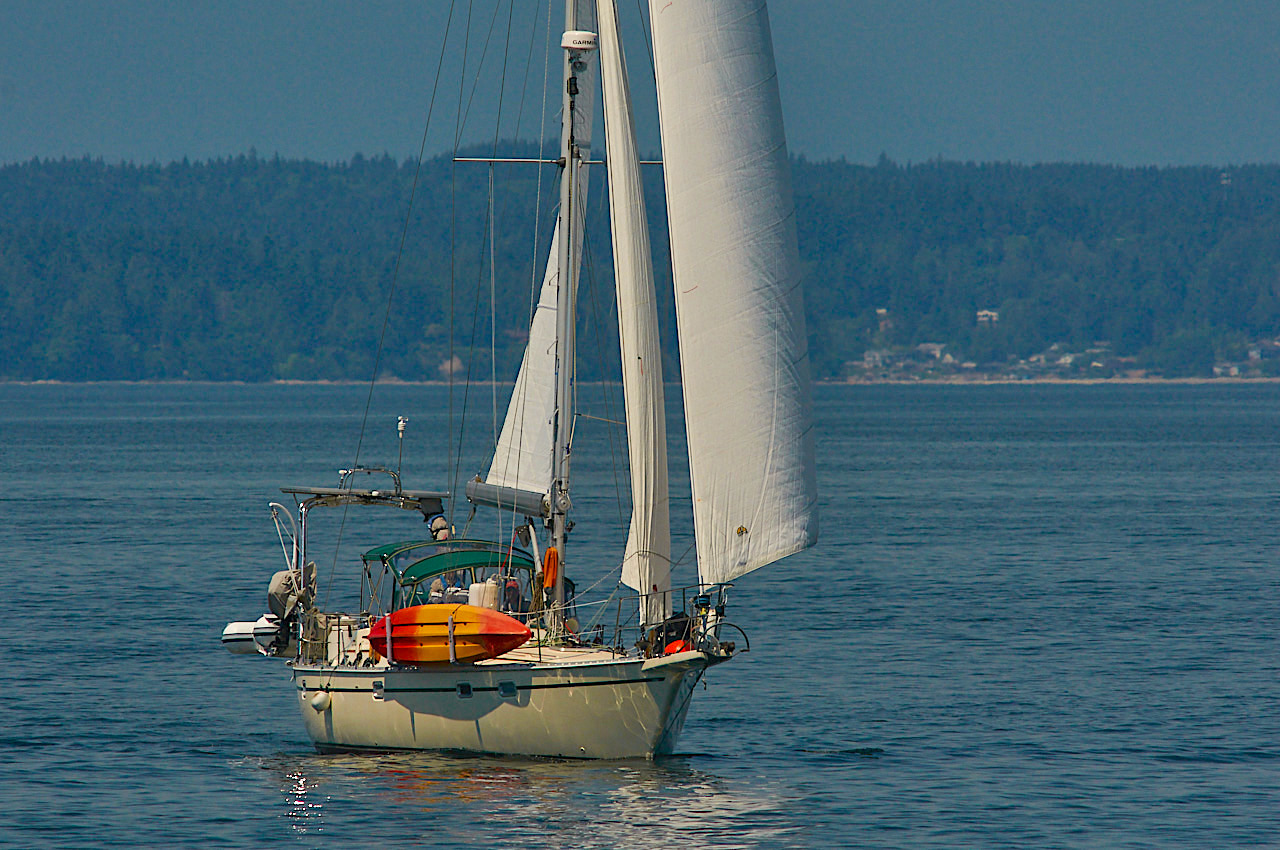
{"points": [[693, 625]]}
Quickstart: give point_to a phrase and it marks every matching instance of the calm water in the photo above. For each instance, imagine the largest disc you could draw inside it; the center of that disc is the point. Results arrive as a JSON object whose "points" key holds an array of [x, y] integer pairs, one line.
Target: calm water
{"points": [[1038, 616]]}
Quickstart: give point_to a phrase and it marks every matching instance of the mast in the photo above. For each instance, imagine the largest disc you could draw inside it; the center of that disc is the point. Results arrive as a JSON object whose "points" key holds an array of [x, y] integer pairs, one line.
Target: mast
{"points": [[576, 43]]}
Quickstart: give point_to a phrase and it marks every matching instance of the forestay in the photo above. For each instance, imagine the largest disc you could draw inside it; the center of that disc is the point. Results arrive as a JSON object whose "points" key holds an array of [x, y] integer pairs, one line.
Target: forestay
{"points": [[647, 564], [743, 353]]}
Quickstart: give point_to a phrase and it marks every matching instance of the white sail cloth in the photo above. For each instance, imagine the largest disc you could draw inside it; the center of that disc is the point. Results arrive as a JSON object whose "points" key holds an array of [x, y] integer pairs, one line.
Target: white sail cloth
{"points": [[647, 564], [523, 456], [740, 314]]}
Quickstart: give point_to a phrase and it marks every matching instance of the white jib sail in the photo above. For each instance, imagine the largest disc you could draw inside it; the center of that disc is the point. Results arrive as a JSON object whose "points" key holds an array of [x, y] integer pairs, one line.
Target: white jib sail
{"points": [[740, 314], [647, 564], [523, 456]]}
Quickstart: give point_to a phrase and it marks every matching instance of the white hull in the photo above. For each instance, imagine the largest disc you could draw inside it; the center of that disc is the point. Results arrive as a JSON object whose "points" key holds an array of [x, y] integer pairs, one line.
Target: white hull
{"points": [[597, 707]]}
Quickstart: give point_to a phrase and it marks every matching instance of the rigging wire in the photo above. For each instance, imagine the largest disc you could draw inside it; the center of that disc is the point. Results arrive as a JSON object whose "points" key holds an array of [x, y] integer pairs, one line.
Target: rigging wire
{"points": [[648, 41], [453, 242], [493, 260], [475, 313], [463, 114], [493, 309], [609, 404], [395, 279], [518, 403], [404, 235]]}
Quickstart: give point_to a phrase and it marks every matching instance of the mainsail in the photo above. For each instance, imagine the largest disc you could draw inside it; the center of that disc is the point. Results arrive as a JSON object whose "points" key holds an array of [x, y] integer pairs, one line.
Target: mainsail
{"points": [[740, 313], [522, 458], [647, 564]]}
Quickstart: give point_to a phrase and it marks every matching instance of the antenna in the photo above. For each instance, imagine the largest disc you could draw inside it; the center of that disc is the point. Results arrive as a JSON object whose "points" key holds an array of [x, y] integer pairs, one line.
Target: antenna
{"points": [[403, 421]]}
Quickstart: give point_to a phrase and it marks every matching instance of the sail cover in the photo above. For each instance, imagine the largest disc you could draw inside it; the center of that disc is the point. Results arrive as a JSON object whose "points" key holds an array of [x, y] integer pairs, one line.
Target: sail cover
{"points": [[523, 456], [740, 313], [647, 564]]}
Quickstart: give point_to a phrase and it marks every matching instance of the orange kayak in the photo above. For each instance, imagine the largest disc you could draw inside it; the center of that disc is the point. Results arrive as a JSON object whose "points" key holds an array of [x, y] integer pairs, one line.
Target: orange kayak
{"points": [[420, 634]]}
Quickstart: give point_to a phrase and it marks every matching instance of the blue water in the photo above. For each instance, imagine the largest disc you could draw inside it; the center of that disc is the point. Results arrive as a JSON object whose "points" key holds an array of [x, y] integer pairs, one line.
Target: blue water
{"points": [[1038, 616]]}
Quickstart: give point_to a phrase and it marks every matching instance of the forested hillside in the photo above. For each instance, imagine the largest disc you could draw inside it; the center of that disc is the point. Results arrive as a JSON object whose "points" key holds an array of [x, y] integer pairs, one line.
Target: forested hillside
{"points": [[258, 269], [1172, 268]]}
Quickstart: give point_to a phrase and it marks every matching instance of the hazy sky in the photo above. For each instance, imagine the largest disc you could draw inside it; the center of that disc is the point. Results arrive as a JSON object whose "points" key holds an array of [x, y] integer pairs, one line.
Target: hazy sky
{"points": [[1134, 82]]}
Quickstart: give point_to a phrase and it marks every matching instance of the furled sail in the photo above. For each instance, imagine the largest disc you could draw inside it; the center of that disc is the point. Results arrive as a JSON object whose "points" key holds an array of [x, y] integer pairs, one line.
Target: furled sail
{"points": [[647, 564], [522, 458], [740, 312]]}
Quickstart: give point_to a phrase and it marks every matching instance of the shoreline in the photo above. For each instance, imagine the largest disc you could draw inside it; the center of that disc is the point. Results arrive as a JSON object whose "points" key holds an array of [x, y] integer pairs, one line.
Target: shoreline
{"points": [[992, 380], [861, 382]]}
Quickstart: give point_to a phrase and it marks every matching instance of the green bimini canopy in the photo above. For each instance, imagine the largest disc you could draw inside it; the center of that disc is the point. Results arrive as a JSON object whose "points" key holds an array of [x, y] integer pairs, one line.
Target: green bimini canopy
{"points": [[414, 561]]}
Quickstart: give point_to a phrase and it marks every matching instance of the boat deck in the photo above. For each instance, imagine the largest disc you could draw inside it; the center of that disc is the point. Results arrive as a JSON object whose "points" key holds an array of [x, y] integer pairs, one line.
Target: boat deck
{"points": [[553, 655]]}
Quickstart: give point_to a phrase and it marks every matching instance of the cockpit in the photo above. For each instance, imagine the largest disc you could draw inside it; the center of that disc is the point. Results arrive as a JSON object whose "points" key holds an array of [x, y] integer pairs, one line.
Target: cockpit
{"points": [[471, 572]]}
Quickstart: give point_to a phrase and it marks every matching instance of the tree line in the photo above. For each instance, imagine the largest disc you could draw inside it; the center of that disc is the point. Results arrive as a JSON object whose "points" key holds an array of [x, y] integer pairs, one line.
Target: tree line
{"points": [[252, 268]]}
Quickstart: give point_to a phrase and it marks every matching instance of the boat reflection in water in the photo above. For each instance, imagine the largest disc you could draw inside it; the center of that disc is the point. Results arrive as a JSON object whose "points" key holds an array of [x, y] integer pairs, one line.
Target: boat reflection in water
{"points": [[537, 803]]}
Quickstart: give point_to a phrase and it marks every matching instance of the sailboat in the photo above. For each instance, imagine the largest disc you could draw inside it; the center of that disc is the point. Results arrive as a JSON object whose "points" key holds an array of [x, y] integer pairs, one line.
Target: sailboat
{"points": [[567, 690]]}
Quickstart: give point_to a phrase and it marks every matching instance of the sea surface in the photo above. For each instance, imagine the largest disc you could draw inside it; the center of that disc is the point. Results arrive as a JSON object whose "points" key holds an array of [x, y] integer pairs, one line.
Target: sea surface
{"points": [[1038, 616]]}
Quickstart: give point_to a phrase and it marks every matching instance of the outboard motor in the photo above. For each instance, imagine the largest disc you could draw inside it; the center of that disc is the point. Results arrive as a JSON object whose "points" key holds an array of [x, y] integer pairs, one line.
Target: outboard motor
{"points": [[273, 632], [263, 636]]}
